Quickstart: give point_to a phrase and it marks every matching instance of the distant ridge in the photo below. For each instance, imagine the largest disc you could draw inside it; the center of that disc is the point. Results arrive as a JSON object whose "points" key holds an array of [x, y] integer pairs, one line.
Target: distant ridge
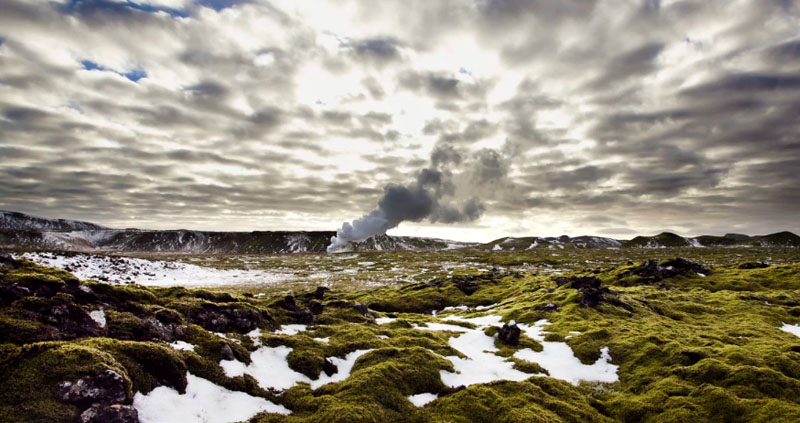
{"points": [[667, 239], [20, 230], [22, 221]]}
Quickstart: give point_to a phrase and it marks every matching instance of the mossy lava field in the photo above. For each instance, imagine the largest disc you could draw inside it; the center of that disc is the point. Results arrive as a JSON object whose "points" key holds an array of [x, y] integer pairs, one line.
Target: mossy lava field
{"points": [[624, 335]]}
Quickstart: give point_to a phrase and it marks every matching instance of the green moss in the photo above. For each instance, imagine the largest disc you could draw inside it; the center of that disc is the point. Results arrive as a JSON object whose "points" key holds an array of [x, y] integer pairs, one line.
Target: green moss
{"points": [[703, 350], [148, 364], [535, 400], [31, 374]]}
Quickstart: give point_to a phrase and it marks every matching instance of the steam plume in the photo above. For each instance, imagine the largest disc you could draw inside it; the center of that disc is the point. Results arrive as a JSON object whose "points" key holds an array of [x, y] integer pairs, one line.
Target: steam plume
{"points": [[423, 199]]}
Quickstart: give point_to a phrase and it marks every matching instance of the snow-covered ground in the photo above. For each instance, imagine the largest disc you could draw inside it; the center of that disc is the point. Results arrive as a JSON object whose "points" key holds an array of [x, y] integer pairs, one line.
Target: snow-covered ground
{"points": [[559, 360], [481, 365], [793, 329], [203, 402], [271, 369], [421, 399], [152, 272]]}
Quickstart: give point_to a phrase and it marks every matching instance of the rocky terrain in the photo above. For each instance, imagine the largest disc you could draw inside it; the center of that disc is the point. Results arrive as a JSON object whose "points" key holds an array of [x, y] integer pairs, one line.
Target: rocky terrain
{"points": [[713, 338]]}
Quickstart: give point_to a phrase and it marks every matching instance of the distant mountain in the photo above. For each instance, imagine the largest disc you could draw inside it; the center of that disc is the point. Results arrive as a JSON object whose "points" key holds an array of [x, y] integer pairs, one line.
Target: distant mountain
{"points": [[664, 239], [22, 221], [780, 239], [19, 230], [529, 243], [667, 239]]}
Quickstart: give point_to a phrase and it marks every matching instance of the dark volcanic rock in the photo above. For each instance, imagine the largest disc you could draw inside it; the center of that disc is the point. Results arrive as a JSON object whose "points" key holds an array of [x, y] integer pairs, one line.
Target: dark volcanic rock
{"points": [[579, 282], [10, 292], [593, 293], [329, 368], [60, 312], [300, 314], [438, 303], [227, 352], [110, 414], [593, 296], [509, 334], [218, 319], [753, 265], [168, 332], [107, 387], [319, 294], [315, 307], [7, 261], [651, 271], [466, 285]]}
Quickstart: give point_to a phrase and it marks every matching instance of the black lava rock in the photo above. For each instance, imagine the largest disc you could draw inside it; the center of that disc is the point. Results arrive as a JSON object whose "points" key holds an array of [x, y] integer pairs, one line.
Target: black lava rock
{"points": [[299, 313], [315, 307], [227, 352], [651, 271], [7, 261], [329, 368], [110, 414], [509, 334], [65, 319], [107, 387], [593, 296]]}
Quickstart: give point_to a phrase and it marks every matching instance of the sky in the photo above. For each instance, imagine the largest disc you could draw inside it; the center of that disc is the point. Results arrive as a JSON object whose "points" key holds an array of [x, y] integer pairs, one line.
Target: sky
{"points": [[605, 117]]}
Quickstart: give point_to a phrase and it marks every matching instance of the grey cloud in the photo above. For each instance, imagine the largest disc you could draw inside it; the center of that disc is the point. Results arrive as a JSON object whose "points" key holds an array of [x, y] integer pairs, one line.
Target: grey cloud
{"points": [[374, 88], [382, 50], [668, 121]]}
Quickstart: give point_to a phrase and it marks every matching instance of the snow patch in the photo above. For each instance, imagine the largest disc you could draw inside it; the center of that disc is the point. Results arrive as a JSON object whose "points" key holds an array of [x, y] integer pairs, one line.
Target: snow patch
{"points": [[326, 340], [291, 329], [421, 399], [268, 366], [345, 366], [181, 345], [560, 361], [152, 272], [482, 365], [793, 329], [384, 320], [99, 316], [255, 335], [203, 402]]}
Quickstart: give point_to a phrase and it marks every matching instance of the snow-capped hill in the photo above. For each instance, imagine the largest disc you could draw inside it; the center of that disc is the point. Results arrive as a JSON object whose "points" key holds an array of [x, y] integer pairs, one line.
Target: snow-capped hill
{"points": [[403, 243], [530, 243], [780, 239], [666, 239], [19, 230], [22, 221]]}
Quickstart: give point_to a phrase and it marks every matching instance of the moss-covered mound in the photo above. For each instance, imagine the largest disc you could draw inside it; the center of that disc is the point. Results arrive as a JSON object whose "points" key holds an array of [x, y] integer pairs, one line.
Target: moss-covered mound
{"points": [[691, 345]]}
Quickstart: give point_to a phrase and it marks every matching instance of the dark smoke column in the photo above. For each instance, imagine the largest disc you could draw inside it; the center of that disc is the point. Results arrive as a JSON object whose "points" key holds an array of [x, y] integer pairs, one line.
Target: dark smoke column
{"points": [[415, 202]]}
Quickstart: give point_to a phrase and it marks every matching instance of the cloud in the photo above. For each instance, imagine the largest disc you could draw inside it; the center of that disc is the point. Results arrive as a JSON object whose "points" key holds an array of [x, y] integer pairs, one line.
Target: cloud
{"points": [[287, 115]]}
